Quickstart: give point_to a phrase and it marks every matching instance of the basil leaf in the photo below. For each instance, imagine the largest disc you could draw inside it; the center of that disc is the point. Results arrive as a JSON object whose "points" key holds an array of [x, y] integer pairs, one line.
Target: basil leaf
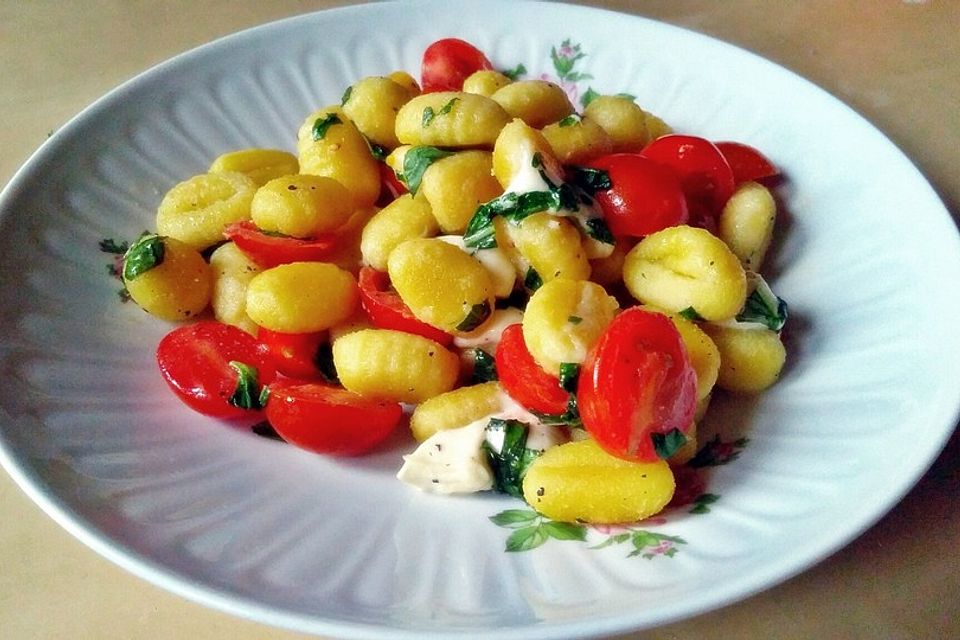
{"points": [[574, 319], [598, 230], [569, 418], [109, 245], [475, 317], [248, 393], [532, 279], [448, 107], [415, 163], [321, 125], [764, 307], [427, 117], [144, 254], [484, 367], [691, 314], [569, 373], [591, 180], [346, 96], [510, 463], [667, 444], [569, 121]]}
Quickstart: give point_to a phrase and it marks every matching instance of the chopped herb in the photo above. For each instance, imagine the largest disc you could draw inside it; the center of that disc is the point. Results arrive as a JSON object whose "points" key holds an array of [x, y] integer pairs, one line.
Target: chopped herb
{"points": [[667, 444], [511, 462], [691, 314], [591, 180], [265, 430], [570, 417], [764, 307], [569, 374], [448, 107], [518, 299], [321, 125], [109, 245], [323, 358], [377, 151], [248, 393], [516, 72], [415, 163], [532, 279], [346, 96], [144, 254], [484, 367], [574, 319], [598, 230], [427, 117], [475, 317], [569, 121], [627, 96]]}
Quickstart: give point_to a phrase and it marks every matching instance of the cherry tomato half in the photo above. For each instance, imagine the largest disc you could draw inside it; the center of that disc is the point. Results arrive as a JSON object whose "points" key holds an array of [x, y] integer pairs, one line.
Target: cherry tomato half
{"points": [[637, 381], [195, 362], [705, 175], [523, 379], [269, 251], [746, 162], [293, 354], [327, 419], [644, 196], [388, 311], [391, 187], [448, 62]]}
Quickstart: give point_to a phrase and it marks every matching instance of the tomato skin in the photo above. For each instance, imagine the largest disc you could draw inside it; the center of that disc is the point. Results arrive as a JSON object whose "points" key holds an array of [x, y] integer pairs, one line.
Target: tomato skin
{"points": [[448, 62], [746, 162], [705, 175], [635, 382], [293, 354], [270, 251], [523, 379], [194, 361], [388, 311], [644, 197], [326, 419]]}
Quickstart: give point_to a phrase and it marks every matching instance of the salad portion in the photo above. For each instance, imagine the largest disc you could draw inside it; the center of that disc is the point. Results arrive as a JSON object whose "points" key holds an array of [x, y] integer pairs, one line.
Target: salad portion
{"points": [[545, 294]]}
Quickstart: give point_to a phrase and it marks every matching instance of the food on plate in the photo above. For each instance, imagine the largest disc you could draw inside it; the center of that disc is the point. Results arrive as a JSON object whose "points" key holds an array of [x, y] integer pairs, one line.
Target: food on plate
{"points": [[548, 299]]}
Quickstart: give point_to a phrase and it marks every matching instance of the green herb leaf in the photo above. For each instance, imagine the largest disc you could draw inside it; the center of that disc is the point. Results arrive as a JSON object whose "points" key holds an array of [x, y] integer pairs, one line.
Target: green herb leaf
{"points": [[511, 462], [248, 393], [477, 315], [691, 314], [144, 254], [321, 125], [379, 152], [448, 107], [667, 444], [764, 307], [569, 374], [569, 418], [484, 367], [574, 319], [598, 230], [346, 96], [532, 279], [516, 72], [590, 180], [569, 121], [427, 117], [415, 163]]}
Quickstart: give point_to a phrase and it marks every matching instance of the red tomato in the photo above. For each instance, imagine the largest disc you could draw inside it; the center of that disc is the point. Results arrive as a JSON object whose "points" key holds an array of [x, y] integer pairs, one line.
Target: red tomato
{"points": [[705, 175], [644, 196], [523, 379], [195, 361], [269, 251], [391, 187], [293, 354], [747, 162], [327, 419], [637, 381], [388, 311], [448, 62]]}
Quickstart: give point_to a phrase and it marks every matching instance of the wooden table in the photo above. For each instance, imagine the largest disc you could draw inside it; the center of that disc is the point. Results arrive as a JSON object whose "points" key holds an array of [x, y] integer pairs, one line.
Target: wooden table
{"points": [[897, 63]]}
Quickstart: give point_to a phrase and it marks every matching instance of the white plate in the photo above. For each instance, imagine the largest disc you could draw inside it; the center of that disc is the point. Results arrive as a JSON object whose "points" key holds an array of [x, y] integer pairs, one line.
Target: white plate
{"points": [[869, 262]]}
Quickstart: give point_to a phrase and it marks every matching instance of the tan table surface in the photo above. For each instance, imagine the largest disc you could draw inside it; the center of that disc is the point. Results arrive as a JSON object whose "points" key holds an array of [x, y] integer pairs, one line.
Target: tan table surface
{"points": [[897, 63]]}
